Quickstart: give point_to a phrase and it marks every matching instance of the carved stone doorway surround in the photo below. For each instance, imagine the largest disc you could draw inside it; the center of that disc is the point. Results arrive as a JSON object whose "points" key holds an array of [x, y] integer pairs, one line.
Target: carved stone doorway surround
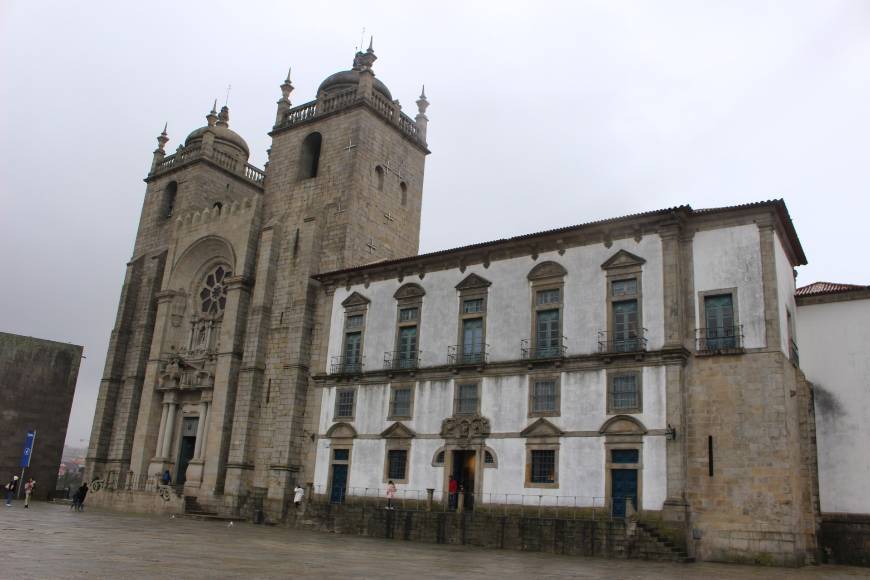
{"points": [[464, 432]]}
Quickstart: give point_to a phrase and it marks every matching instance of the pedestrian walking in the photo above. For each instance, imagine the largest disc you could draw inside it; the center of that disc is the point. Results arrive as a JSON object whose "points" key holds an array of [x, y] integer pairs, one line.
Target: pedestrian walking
{"points": [[298, 494], [11, 488], [391, 493], [28, 490], [81, 494]]}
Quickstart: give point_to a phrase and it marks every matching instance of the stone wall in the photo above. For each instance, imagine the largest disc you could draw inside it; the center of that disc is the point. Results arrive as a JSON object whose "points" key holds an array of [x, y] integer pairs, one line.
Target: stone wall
{"points": [[845, 539], [37, 382]]}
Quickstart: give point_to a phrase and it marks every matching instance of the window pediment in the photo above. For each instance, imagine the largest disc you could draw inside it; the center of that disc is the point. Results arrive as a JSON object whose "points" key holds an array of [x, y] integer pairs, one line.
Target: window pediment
{"points": [[398, 431], [541, 428], [622, 259], [409, 290], [341, 431], [355, 299], [622, 425], [473, 281], [547, 269]]}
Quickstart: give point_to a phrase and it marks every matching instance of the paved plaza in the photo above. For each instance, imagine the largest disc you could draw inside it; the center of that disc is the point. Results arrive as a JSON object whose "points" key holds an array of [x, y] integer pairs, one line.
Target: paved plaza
{"points": [[50, 541]]}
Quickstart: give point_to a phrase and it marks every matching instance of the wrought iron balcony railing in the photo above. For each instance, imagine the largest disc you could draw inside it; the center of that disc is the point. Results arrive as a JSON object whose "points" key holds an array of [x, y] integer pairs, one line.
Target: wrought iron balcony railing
{"points": [[623, 341], [467, 354], [346, 365], [400, 360], [543, 349], [720, 339]]}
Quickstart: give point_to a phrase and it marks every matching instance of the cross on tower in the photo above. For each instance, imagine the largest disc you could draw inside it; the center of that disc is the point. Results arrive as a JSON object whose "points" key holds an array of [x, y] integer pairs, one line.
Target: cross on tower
{"points": [[371, 245], [350, 145], [395, 170], [389, 217]]}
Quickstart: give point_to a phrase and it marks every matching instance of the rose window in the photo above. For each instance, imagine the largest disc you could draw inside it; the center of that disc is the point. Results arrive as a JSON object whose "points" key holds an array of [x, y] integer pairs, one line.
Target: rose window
{"points": [[214, 292]]}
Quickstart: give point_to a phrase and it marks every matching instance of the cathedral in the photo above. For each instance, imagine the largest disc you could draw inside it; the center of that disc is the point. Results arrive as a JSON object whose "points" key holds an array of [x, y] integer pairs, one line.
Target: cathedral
{"points": [[277, 328]]}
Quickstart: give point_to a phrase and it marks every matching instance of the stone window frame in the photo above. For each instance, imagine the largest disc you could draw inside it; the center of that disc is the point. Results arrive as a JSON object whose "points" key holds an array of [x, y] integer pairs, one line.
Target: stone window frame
{"points": [[409, 295], [456, 385], [391, 415], [493, 454], [335, 416], [545, 276], [702, 307], [472, 287], [397, 444], [534, 378], [354, 305], [623, 266], [442, 452], [634, 442], [339, 445], [542, 444], [611, 375]]}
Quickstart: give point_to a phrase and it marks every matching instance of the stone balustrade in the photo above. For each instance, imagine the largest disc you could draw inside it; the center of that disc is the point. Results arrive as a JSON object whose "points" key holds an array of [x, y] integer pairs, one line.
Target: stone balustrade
{"points": [[230, 163]]}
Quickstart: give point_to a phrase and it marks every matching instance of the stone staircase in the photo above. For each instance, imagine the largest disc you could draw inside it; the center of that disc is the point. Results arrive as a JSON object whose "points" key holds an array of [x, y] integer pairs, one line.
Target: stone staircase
{"points": [[653, 545], [193, 510]]}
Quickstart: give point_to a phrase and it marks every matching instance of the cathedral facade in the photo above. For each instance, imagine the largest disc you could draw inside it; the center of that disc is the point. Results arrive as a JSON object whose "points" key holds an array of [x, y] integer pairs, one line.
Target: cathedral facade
{"points": [[276, 328]]}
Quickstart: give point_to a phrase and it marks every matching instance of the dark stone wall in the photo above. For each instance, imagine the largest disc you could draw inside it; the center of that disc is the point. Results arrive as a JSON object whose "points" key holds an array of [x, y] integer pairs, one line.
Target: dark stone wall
{"points": [[845, 539], [37, 382]]}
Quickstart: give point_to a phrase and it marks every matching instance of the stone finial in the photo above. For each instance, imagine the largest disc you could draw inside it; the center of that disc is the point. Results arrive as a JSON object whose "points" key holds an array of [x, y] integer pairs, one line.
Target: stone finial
{"points": [[163, 138], [421, 120], [287, 87], [363, 61], [224, 117], [212, 115]]}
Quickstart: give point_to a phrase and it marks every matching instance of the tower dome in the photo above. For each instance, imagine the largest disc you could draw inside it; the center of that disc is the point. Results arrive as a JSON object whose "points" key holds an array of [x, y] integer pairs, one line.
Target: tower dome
{"points": [[348, 79], [218, 125]]}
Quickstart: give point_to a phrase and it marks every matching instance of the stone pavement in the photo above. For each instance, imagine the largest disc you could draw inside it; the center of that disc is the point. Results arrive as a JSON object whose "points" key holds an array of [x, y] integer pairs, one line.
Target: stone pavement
{"points": [[50, 541]]}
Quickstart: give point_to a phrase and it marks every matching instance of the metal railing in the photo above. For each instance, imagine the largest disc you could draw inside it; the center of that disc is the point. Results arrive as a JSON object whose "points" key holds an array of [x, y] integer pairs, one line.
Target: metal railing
{"points": [[630, 341], [345, 365], [464, 354], [719, 339], [546, 349], [541, 506], [401, 360]]}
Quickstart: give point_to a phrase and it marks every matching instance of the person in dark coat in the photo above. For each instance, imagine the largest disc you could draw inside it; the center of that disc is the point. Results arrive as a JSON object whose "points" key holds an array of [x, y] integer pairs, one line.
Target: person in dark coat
{"points": [[79, 500], [167, 478], [11, 488]]}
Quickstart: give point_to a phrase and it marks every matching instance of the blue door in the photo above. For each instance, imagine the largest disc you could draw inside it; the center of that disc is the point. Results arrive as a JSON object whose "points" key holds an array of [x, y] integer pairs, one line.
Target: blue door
{"points": [[623, 487], [339, 483]]}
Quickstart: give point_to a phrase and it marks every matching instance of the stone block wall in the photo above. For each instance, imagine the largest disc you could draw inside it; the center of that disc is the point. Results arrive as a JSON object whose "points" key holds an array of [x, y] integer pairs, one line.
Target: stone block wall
{"points": [[37, 383]]}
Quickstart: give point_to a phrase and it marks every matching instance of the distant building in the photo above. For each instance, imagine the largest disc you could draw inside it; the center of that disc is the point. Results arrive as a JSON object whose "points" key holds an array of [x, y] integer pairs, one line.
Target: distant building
{"points": [[37, 383], [833, 334]]}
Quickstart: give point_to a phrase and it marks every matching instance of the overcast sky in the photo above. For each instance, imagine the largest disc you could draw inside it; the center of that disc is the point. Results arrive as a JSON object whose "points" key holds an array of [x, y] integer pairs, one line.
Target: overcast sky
{"points": [[599, 108]]}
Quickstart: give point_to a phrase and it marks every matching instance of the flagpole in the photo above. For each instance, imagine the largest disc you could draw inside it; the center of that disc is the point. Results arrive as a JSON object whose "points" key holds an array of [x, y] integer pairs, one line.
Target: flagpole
{"points": [[24, 467]]}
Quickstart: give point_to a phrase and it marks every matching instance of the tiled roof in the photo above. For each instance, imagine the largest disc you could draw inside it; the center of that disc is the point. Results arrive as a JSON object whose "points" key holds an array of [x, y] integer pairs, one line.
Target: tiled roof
{"points": [[777, 204], [818, 288]]}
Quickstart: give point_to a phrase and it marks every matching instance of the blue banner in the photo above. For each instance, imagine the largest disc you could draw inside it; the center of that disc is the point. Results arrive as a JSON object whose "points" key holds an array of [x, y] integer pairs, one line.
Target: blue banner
{"points": [[28, 449]]}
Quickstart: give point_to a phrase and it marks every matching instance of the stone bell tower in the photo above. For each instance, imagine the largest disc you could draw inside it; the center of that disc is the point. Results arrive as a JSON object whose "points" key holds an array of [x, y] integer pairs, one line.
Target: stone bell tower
{"points": [[343, 188]]}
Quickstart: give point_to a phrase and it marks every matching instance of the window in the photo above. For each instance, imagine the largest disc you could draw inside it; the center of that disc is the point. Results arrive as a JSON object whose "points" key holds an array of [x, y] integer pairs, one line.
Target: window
{"points": [[624, 322], [406, 354], [438, 460], [404, 187], [543, 396], [408, 314], [546, 341], [401, 402], [719, 332], [624, 393], [488, 458], [471, 347], [344, 400], [169, 198], [552, 296], [624, 288], [309, 159], [467, 399], [543, 469], [351, 359], [625, 456], [397, 464], [352, 352], [354, 321], [213, 295], [379, 175]]}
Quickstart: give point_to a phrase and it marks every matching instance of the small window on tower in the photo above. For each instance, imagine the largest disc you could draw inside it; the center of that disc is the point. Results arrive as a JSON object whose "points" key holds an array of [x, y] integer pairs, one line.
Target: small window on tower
{"points": [[310, 158], [404, 187], [169, 198], [379, 172]]}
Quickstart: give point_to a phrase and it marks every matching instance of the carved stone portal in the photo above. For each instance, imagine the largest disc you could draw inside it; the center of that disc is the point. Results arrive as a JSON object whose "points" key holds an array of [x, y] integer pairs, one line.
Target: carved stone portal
{"points": [[181, 374], [465, 428]]}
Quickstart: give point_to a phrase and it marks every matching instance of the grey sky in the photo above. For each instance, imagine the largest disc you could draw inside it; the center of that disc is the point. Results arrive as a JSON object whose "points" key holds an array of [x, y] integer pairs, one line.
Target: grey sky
{"points": [[598, 108]]}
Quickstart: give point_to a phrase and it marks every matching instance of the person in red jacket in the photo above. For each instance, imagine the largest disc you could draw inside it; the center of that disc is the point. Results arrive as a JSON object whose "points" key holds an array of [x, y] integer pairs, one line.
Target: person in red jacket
{"points": [[453, 490]]}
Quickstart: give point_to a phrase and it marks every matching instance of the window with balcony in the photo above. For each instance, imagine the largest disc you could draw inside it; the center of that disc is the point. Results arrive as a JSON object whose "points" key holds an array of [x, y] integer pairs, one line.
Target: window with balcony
{"points": [[351, 358], [406, 353], [547, 284], [625, 332], [471, 347], [719, 330]]}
